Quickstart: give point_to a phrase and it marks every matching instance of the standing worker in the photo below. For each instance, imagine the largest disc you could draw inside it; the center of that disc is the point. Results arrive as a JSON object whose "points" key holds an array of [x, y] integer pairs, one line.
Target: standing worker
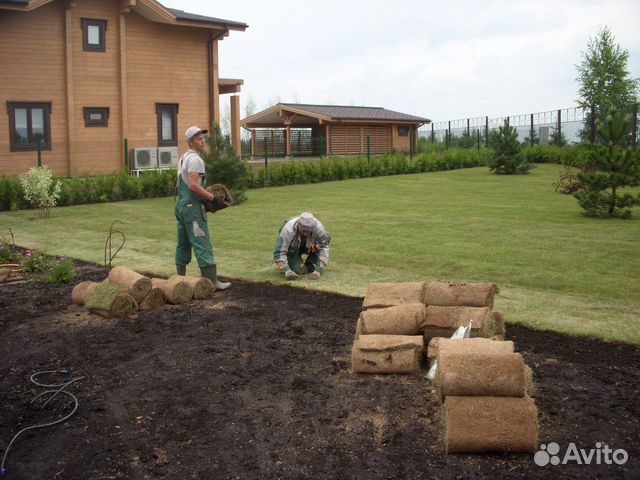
{"points": [[302, 235], [193, 229]]}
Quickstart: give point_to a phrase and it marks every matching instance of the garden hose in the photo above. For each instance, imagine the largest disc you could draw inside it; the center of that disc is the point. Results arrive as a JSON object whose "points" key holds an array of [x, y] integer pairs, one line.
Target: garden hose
{"points": [[56, 389], [107, 244]]}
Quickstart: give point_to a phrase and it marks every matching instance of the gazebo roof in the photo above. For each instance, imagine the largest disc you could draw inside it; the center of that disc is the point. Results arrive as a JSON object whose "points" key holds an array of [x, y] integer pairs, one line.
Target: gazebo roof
{"points": [[299, 113]]}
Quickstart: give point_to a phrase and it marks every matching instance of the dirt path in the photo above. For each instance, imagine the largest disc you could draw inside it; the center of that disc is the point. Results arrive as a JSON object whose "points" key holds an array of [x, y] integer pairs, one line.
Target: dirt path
{"points": [[256, 384]]}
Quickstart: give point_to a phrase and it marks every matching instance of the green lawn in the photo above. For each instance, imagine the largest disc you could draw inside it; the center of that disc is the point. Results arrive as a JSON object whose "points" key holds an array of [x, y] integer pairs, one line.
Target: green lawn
{"points": [[556, 269]]}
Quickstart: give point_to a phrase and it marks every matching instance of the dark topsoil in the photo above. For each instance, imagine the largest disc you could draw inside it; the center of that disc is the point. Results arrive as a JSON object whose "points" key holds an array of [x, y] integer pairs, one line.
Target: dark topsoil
{"points": [[256, 383]]}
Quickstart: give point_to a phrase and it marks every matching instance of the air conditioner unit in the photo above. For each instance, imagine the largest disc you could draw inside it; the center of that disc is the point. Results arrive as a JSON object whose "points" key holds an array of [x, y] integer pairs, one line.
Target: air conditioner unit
{"points": [[144, 159], [167, 157]]}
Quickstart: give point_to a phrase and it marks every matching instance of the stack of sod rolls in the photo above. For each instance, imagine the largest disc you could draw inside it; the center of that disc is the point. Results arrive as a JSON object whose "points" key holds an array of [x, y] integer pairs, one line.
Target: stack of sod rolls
{"points": [[486, 391], [389, 331], [450, 305], [125, 291]]}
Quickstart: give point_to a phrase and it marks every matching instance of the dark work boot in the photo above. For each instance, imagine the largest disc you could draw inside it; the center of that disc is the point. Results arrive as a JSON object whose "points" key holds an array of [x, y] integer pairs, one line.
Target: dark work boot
{"points": [[181, 270], [212, 274]]}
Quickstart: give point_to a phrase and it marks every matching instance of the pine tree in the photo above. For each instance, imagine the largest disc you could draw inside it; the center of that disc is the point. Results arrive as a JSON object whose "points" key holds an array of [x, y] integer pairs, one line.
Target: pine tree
{"points": [[223, 165], [604, 79], [615, 167], [507, 158]]}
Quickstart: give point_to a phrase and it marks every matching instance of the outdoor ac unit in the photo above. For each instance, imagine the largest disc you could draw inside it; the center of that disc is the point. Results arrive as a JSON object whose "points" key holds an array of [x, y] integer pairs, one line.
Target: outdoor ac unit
{"points": [[144, 159], [167, 157]]}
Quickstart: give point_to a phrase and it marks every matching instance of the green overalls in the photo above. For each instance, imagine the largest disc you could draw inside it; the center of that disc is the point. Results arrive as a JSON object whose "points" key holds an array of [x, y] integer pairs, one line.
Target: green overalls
{"points": [[193, 229]]}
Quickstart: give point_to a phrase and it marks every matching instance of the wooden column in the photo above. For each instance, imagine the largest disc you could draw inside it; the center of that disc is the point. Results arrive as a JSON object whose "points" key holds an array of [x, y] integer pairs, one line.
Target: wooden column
{"points": [[215, 83], [235, 124], [253, 142], [328, 143], [288, 140], [124, 113], [71, 133]]}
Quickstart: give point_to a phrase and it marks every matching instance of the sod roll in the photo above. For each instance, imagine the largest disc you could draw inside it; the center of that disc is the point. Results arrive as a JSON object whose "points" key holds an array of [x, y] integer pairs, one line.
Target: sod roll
{"points": [[404, 319], [443, 321], [468, 346], [461, 294], [81, 291], [380, 295], [387, 354], [202, 287], [501, 329], [138, 285], [154, 300], [110, 300], [490, 424], [176, 290], [480, 375]]}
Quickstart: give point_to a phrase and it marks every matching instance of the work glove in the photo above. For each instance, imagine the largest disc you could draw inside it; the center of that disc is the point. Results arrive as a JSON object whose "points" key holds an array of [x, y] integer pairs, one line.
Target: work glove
{"points": [[290, 275], [315, 275]]}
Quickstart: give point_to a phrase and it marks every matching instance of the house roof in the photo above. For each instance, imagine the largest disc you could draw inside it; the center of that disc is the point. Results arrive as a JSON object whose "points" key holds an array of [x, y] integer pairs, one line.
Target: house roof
{"points": [[152, 10], [192, 17], [298, 113]]}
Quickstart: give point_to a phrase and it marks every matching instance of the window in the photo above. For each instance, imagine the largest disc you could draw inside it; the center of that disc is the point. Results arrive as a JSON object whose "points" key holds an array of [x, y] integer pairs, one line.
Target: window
{"points": [[96, 116], [29, 124], [403, 131], [93, 35], [167, 124]]}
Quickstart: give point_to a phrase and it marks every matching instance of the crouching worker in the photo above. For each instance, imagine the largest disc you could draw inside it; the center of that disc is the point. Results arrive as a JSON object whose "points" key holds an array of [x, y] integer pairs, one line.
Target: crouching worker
{"points": [[302, 235], [191, 216]]}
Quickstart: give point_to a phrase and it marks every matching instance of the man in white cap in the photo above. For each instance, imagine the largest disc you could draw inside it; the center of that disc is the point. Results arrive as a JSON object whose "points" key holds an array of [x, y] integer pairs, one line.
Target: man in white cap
{"points": [[193, 229], [302, 235]]}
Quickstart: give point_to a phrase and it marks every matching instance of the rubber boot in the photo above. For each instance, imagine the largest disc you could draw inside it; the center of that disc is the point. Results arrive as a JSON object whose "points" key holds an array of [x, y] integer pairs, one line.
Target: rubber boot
{"points": [[181, 270], [212, 274]]}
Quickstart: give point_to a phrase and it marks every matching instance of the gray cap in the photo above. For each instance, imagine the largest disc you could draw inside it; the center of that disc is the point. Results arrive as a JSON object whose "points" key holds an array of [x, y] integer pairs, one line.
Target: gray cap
{"points": [[306, 221]]}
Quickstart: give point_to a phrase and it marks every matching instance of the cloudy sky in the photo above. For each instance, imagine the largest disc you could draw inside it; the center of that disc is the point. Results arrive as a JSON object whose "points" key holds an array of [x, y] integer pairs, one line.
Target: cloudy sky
{"points": [[442, 60]]}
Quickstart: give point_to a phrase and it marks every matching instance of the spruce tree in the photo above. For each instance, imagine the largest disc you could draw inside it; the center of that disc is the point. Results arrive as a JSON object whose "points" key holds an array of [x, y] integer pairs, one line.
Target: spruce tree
{"points": [[224, 166], [507, 158], [614, 167]]}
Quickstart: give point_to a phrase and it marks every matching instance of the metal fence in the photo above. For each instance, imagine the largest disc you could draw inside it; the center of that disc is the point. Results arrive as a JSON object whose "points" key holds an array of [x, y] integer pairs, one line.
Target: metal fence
{"points": [[556, 127]]}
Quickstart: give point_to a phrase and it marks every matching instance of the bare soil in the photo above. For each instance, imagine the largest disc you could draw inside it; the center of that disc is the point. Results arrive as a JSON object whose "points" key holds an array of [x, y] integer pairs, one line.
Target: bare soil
{"points": [[256, 383]]}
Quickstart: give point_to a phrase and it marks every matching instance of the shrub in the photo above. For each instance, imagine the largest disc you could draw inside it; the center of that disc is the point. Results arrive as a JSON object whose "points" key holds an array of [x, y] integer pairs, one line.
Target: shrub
{"points": [[62, 271], [507, 158], [40, 189], [5, 252], [35, 261], [11, 194]]}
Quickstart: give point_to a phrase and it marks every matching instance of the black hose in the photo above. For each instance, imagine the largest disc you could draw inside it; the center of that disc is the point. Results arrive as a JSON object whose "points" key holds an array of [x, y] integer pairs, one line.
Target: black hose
{"points": [[107, 244], [58, 388]]}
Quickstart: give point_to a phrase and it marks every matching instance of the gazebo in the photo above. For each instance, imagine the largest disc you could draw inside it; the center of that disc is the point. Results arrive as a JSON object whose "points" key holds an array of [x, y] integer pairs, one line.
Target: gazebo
{"points": [[295, 129]]}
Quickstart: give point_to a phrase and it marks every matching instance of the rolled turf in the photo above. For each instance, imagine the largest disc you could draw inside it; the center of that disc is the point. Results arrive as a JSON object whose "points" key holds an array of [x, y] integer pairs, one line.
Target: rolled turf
{"points": [[443, 321], [138, 285], [461, 294], [468, 346], [380, 295], [404, 319], [490, 424], [387, 354], [176, 290]]}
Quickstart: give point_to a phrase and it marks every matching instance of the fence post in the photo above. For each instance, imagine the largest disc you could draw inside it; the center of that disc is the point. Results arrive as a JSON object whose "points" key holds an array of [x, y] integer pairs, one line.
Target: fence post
{"points": [[266, 159], [449, 135], [433, 134], [411, 138], [126, 155], [634, 126], [478, 136], [468, 127], [531, 131], [486, 131], [39, 148], [369, 149], [559, 128]]}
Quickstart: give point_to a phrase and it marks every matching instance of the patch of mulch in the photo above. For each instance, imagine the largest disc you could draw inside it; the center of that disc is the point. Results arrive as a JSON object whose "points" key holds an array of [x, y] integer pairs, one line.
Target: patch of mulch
{"points": [[256, 383]]}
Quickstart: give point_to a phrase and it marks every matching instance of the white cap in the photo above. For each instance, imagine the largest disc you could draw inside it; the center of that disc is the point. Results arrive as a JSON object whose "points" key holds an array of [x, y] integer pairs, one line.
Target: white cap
{"points": [[306, 221], [193, 131]]}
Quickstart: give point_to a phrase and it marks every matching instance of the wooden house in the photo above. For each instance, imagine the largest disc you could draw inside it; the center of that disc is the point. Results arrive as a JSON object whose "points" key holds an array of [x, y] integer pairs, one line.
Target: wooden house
{"points": [[294, 129], [94, 81]]}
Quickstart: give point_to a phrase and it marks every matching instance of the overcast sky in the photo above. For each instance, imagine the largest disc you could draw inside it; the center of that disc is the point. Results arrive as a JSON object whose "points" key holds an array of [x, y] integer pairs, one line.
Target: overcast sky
{"points": [[442, 60]]}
